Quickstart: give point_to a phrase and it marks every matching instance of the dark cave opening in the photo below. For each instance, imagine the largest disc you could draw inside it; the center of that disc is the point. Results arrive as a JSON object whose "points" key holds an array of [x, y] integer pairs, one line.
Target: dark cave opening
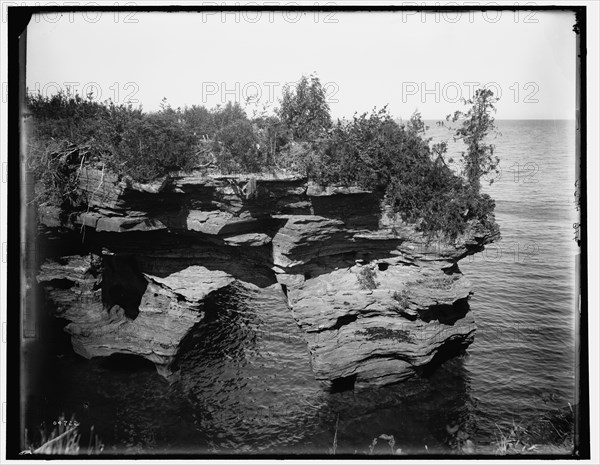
{"points": [[345, 383], [127, 363], [383, 266], [123, 285]]}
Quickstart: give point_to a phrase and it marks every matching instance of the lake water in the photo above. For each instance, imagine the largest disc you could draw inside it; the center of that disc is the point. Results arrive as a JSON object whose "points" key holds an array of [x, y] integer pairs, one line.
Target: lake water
{"points": [[247, 385]]}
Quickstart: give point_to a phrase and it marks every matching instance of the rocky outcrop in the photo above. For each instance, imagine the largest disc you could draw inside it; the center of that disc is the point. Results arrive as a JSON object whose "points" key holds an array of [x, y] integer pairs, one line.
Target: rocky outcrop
{"points": [[377, 301], [110, 314]]}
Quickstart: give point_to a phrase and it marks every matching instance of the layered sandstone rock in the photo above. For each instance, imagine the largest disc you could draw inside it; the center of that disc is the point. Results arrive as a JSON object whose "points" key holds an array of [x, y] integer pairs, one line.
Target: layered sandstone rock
{"points": [[376, 300], [117, 316]]}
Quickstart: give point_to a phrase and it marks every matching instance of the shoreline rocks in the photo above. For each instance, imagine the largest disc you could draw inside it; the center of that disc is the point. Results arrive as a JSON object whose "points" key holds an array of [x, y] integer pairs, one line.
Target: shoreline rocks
{"points": [[376, 301]]}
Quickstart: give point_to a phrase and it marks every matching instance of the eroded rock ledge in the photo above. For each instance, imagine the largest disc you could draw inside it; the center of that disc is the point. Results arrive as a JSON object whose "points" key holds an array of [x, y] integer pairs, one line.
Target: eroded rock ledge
{"points": [[135, 272]]}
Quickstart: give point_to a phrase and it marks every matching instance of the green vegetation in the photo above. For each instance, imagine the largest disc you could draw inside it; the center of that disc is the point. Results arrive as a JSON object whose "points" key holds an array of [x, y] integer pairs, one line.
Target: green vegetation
{"points": [[398, 335], [371, 150], [64, 439], [366, 278], [391, 443], [475, 127], [549, 434], [304, 110], [403, 298], [375, 152]]}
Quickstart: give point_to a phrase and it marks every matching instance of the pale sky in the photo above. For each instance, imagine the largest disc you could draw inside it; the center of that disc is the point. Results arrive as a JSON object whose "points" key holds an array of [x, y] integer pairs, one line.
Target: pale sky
{"points": [[409, 60]]}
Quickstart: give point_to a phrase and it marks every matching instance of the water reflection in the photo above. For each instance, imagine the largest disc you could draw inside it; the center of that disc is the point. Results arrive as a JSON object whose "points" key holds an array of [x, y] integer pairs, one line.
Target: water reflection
{"points": [[246, 382], [246, 385], [245, 370]]}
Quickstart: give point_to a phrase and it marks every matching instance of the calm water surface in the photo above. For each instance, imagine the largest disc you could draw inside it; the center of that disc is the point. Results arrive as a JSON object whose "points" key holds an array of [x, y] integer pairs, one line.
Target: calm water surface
{"points": [[247, 385]]}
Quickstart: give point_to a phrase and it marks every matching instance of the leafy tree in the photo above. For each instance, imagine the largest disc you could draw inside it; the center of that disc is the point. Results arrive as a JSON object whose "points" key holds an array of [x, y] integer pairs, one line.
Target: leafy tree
{"points": [[200, 121], [271, 138], [371, 150], [227, 114], [304, 109], [475, 126], [237, 148], [375, 152]]}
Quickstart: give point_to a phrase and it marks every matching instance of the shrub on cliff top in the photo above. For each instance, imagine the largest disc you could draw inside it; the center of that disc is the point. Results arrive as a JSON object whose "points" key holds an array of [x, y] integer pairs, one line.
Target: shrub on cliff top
{"points": [[125, 139], [304, 109], [237, 149], [145, 146], [142, 145], [371, 150], [375, 152], [473, 129]]}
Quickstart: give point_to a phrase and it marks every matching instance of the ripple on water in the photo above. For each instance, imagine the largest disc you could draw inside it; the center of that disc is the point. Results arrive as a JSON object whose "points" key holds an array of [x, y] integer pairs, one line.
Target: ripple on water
{"points": [[246, 382]]}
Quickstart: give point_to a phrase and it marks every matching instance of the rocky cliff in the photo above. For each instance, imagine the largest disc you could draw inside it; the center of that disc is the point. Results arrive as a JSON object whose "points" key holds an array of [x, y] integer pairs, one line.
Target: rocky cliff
{"points": [[375, 299]]}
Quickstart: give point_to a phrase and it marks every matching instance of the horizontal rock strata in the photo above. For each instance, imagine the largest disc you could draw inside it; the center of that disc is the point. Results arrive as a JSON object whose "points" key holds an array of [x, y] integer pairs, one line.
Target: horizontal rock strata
{"points": [[166, 308], [377, 301]]}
